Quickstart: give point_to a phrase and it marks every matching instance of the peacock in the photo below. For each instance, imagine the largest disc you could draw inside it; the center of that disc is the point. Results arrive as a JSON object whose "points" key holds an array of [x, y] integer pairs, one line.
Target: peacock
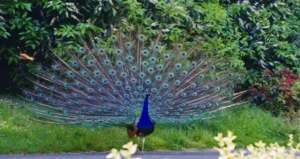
{"points": [[132, 78]]}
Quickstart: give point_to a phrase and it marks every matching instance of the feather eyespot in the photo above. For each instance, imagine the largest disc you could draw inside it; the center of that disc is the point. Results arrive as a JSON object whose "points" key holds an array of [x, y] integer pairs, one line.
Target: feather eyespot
{"points": [[145, 52], [145, 63], [150, 70], [178, 66], [171, 75], [142, 37], [101, 51], [119, 83], [148, 81], [82, 50], [123, 74], [179, 46], [105, 81], [201, 76], [128, 45], [133, 80], [166, 85], [142, 74], [114, 38], [154, 90], [194, 64], [140, 88], [118, 52]]}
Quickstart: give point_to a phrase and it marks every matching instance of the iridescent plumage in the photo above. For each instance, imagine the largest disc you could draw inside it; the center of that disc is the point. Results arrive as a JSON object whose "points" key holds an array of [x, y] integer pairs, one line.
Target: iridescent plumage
{"points": [[109, 82]]}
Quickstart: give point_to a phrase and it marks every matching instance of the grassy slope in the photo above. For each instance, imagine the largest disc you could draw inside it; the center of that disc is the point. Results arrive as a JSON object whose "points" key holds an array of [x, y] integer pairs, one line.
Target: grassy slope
{"points": [[19, 134]]}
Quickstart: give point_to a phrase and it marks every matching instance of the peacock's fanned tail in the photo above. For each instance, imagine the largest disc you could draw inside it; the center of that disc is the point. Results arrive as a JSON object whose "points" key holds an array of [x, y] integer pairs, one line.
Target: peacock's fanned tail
{"points": [[104, 82]]}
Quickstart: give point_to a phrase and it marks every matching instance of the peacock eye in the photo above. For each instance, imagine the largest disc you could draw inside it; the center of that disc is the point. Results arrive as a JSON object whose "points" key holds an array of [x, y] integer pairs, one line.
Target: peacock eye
{"points": [[179, 46], [82, 49], [142, 37], [114, 38], [118, 51]]}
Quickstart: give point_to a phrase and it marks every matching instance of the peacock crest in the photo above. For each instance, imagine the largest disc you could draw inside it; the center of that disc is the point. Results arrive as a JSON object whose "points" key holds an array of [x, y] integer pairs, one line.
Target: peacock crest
{"points": [[105, 82]]}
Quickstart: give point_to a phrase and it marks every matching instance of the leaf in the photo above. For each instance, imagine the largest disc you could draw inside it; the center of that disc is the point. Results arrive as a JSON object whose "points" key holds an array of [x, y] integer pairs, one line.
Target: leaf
{"points": [[27, 6], [10, 59]]}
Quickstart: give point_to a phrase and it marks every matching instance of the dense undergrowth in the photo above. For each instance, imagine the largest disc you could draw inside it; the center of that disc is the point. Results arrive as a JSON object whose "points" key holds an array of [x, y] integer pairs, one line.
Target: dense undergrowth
{"points": [[21, 135]]}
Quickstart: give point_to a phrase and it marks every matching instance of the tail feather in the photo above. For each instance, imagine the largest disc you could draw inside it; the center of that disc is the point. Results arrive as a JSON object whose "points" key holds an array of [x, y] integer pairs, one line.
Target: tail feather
{"points": [[104, 82]]}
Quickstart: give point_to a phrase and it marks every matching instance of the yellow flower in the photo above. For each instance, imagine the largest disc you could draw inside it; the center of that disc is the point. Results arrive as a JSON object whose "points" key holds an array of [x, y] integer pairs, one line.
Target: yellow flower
{"points": [[220, 139], [130, 147], [230, 136], [114, 153], [260, 144]]}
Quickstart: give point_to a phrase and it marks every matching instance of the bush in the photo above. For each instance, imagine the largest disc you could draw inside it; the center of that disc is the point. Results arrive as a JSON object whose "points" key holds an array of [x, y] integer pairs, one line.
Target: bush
{"points": [[251, 35], [280, 90]]}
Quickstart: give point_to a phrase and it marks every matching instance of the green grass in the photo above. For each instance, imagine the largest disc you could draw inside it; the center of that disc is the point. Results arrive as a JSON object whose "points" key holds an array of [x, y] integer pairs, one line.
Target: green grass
{"points": [[19, 134]]}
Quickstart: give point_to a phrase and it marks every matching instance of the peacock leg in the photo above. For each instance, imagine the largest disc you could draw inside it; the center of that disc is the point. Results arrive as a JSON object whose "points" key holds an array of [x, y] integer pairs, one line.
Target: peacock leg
{"points": [[143, 144]]}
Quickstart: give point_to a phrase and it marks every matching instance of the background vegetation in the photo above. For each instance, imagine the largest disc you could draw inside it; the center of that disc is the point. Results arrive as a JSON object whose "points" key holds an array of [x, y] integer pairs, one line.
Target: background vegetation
{"points": [[262, 37], [252, 35]]}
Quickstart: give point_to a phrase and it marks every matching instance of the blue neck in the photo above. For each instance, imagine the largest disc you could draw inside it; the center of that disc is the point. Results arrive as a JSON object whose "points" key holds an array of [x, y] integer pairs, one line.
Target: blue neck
{"points": [[145, 121]]}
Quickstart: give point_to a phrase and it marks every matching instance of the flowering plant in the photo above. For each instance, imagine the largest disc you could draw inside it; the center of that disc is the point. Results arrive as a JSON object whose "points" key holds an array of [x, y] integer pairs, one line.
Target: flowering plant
{"points": [[129, 149], [280, 90], [259, 150]]}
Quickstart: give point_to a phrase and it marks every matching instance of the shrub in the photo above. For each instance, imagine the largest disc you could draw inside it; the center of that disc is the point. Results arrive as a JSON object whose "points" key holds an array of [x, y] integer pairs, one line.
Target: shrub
{"points": [[280, 90]]}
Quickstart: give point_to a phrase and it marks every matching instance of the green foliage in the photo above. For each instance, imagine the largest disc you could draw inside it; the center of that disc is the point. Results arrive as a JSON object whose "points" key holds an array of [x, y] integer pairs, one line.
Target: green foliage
{"points": [[249, 35], [270, 33]]}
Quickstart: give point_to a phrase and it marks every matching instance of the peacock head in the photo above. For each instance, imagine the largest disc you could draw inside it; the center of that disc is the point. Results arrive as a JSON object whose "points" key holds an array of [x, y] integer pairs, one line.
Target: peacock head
{"points": [[147, 93]]}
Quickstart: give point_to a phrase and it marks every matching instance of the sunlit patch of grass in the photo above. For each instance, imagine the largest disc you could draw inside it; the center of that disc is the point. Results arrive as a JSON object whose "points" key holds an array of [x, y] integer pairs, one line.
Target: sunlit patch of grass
{"points": [[20, 134]]}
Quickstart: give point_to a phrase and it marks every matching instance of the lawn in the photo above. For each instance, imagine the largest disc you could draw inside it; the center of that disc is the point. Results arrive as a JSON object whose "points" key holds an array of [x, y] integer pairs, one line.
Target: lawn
{"points": [[21, 135]]}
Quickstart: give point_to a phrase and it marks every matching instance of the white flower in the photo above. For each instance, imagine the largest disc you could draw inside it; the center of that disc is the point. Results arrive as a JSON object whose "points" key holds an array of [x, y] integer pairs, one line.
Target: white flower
{"points": [[130, 147], [114, 153]]}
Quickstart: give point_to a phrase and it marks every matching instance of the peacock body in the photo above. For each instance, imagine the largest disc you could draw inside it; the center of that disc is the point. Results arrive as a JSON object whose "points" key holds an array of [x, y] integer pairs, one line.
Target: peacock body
{"points": [[132, 79]]}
